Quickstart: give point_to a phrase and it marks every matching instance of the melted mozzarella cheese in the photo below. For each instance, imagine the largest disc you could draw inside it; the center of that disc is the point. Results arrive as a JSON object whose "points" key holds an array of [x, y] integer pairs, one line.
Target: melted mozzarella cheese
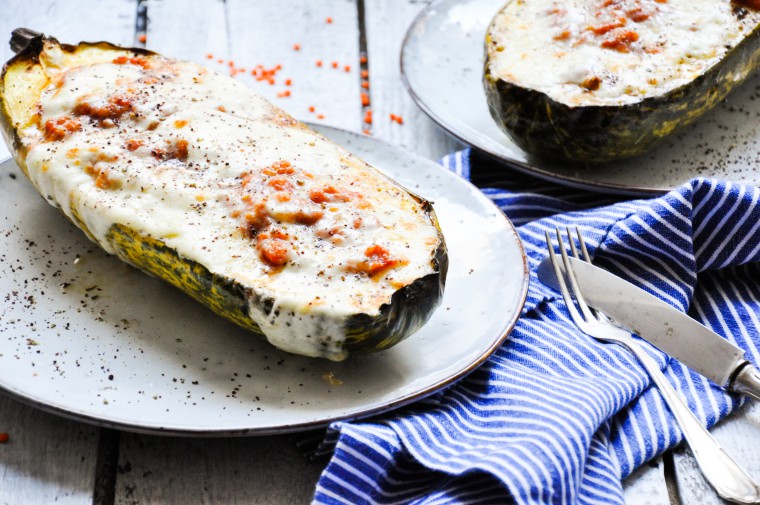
{"points": [[605, 52], [214, 171]]}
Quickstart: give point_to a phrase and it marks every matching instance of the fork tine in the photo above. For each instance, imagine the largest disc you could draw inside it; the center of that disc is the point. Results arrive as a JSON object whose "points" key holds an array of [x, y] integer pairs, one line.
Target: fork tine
{"points": [[572, 242], [586, 255], [574, 315], [573, 279]]}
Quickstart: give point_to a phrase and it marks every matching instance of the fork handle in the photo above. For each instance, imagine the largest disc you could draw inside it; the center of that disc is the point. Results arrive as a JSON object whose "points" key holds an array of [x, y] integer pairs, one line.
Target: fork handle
{"points": [[729, 480]]}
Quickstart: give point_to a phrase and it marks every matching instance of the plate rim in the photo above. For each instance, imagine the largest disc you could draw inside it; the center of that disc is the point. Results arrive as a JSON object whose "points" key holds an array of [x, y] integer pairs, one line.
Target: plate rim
{"points": [[523, 167], [397, 403]]}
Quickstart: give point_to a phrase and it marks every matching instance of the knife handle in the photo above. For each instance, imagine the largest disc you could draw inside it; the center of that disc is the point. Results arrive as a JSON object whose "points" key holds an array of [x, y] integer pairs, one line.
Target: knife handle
{"points": [[747, 382]]}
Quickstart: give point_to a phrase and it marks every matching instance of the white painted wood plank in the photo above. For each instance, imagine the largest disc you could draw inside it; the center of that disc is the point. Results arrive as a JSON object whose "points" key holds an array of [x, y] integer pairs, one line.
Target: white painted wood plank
{"points": [[646, 486], [740, 437], [188, 30], [111, 20], [169, 471], [268, 469], [265, 33], [387, 22], [47, 459]]}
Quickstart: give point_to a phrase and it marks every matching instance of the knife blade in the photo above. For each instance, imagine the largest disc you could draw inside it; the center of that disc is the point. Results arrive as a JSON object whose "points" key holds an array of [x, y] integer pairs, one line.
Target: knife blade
{"points": [[665, 327]]}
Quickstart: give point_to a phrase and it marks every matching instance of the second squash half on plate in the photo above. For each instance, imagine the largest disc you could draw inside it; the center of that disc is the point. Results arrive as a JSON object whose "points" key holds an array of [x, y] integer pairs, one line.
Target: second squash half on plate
{"points": [[593, 81]]}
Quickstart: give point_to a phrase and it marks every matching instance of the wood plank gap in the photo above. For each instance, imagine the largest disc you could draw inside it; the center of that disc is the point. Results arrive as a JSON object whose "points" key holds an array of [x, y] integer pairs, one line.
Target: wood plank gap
{"points": [[141, 23], [365, 95], [227, 31], [670, 478], [104, 492]]}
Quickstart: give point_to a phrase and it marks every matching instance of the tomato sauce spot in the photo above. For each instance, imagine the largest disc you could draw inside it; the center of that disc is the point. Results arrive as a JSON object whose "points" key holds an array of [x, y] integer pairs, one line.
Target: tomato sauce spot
{"points": [[58, 128], [378, 259], [274, 247], [123, 60]]}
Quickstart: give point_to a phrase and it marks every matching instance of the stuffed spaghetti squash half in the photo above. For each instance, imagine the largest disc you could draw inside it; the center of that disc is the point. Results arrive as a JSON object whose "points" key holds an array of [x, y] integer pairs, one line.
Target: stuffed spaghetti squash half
{"points": [[593, 81], [192, 177]]}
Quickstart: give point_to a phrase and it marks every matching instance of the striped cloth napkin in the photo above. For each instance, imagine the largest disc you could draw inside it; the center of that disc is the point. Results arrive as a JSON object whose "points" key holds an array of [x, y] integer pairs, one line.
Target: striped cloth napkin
{"points": [[555, 416]]}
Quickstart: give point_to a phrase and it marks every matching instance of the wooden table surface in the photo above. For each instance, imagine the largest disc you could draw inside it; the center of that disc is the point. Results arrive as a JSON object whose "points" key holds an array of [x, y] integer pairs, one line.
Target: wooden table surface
{"points": [[49, 459]]}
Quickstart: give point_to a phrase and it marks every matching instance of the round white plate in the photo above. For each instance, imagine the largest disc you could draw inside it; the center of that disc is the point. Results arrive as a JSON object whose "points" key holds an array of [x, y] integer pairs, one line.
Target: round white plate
{"points": [[442, 66], [84, 335]]}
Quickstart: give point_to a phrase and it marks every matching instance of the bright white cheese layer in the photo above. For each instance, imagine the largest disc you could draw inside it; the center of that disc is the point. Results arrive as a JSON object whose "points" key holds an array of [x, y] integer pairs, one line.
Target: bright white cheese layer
{"points": [[612, 52], [195, 159]]}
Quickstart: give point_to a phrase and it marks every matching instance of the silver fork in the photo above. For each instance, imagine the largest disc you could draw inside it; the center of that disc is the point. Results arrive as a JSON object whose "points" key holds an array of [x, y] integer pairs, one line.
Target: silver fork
{"points": [[729, 480]]}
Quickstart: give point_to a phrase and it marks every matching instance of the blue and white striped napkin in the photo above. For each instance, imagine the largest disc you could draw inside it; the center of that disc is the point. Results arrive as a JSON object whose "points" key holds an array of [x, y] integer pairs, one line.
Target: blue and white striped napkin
{"points": [[554, 416]]}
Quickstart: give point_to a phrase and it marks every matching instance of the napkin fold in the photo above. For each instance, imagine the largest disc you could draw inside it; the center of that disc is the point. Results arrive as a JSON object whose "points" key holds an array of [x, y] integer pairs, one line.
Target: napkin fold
{"points": [[555, 416]]}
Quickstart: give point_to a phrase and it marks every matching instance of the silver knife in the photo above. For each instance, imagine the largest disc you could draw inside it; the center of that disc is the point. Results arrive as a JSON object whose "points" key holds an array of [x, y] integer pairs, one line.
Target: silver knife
{"points": [[665, 327]]}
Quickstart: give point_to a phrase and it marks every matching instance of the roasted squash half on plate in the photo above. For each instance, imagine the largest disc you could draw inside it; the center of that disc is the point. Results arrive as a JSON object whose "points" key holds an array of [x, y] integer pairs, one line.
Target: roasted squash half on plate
{"points": [[193, 177], [597, 80]]}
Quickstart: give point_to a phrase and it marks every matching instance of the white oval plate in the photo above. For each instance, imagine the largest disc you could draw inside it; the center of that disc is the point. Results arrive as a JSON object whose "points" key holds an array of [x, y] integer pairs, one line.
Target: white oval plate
{"points": [[442, 66], [86, 336]]}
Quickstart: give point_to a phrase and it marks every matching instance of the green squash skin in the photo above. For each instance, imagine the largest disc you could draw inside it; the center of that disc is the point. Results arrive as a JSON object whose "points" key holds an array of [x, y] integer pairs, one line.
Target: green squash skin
{"points": [[224, 296], [548, 129], [410, 307]]}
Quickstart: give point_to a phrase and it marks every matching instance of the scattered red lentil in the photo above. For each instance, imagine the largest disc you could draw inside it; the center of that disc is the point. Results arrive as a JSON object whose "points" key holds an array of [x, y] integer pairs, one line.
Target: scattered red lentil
{"points": [[142, 38], [366, 132], [3, 438], [328, 20], [397, 119], [264, 74]]}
